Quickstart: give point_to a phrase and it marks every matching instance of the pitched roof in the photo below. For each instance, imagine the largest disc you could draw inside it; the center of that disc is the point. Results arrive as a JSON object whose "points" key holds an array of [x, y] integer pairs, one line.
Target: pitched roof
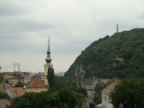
{"points": [[37, 83], [17, 91], [110, 87], [7, 76], [13, 75]]}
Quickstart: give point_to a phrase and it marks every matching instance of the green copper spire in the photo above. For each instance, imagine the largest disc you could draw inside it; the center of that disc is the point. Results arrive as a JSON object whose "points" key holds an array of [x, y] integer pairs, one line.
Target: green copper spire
{"points": [[48, 59]]}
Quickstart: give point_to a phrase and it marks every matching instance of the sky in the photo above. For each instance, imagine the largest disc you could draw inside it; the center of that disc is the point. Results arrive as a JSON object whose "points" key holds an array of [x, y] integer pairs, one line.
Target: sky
{"points": [[71, 25]]}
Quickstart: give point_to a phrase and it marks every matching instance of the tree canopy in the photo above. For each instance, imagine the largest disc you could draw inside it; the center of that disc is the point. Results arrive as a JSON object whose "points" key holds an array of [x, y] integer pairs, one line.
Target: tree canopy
{"points": [[120, 55], [129, 93], [1, 78], [4, 96], [98, 96], [51, 77], [62, 95], [98, 89]]}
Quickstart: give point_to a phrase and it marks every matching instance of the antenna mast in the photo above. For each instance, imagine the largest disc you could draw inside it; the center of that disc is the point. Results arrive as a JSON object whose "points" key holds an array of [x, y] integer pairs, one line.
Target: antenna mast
{"points": [[117, 28]]}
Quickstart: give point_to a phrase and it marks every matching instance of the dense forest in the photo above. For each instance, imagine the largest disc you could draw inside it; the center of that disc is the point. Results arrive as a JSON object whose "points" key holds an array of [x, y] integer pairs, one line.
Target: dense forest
{"points": [[120, 55]]}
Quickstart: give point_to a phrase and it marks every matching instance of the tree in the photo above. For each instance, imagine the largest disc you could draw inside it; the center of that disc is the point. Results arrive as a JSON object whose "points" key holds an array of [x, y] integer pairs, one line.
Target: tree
{"points": [[24, 101], [59, 83], [19, 84], [120, 55], [65, 95], [1, 78], [83, 91], [64, 98], [31, 100], [98, 88], [129, 93], [4, 96], [67, 98], [51, 77]]}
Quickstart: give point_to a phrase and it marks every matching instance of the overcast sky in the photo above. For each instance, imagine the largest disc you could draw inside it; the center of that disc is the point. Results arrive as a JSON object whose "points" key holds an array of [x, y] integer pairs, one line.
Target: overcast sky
{"points": [[72, 25]]}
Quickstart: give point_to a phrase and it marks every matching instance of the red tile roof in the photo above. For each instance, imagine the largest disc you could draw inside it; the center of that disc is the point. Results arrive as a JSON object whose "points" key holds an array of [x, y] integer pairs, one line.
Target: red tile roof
{"points": [[17, 91], [37, 83], [15, 75], [7, 76]]}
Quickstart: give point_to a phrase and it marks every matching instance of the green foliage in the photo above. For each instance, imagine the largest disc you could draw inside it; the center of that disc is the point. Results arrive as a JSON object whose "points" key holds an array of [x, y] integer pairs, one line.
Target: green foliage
{"points": [[59, 83], [51, 77], [19, 84], [1, 78], [120, 55], [98, 89], [68, 96], [65, 98], [30, 100], [72, 85], [83, 91], [98, 98], [53, 100], [130, 93], [4, 96]]}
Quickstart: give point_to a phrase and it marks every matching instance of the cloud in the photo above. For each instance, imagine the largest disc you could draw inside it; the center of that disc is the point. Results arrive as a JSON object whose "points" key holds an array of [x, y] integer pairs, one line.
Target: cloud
{"points": [[9, 9], [72, 25]]}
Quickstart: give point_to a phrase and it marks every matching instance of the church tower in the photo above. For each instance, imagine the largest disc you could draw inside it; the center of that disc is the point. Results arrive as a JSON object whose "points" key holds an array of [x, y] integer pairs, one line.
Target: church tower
{"points": [[48, 63]]}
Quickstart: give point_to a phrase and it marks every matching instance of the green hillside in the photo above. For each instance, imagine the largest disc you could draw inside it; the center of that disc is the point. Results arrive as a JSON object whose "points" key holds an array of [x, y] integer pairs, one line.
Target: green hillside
{"points": [[120, 55]]}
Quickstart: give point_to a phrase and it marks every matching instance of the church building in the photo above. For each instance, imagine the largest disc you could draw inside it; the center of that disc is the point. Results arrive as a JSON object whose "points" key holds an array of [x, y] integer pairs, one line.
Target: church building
{"points": [[37, 85]]}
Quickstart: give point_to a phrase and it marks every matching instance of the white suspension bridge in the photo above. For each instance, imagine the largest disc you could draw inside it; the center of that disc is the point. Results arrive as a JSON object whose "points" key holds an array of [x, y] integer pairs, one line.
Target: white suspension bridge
{"points": [[15, 67]]}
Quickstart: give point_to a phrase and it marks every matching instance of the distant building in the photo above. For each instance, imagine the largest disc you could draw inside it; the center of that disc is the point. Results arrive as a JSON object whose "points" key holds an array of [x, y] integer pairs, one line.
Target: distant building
{"points": [[15, 92], [36, 85], [27, 77], [4, 103], [13, 79], [106, 101], [41, 74]]}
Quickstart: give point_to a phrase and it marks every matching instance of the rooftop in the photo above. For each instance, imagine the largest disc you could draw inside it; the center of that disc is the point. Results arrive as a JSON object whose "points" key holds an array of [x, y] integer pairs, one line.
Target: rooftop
{"points": [[17, 91], [36, 83]]}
